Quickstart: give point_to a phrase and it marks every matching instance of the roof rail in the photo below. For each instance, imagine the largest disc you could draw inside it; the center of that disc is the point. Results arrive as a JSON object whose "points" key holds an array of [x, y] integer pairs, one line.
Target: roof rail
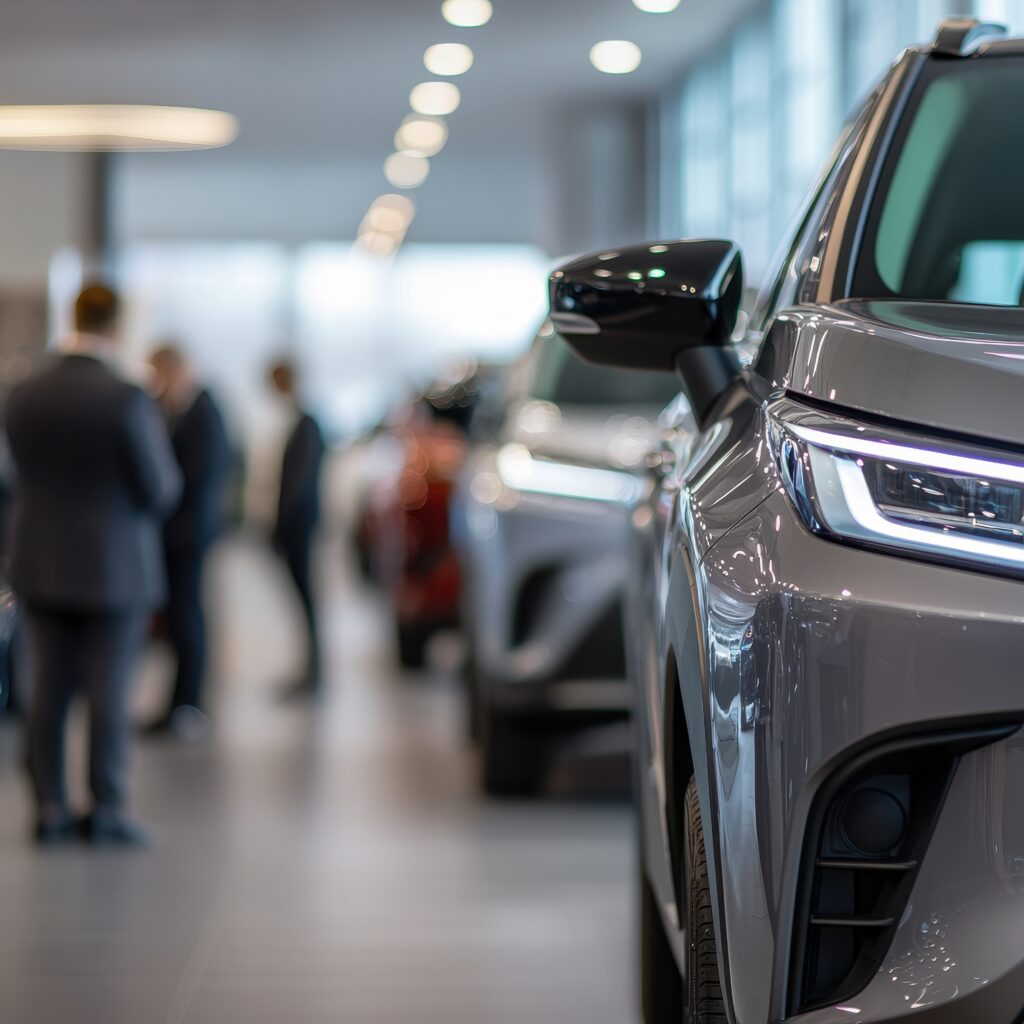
{"points": [[959, 37]]}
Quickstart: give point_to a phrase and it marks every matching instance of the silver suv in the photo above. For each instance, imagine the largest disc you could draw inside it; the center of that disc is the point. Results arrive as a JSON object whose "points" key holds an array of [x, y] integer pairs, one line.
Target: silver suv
{"points": [[545, 555], [827, 613]]}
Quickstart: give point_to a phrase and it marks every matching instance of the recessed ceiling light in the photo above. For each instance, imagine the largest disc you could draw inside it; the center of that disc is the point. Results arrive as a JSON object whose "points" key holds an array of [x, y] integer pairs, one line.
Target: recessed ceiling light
{"points": [[448, 59], [436, 98], [423, 136], [390, 217], [382, 218], [656, 6], [397, 202], [467, 13], [114, 127], [378, 243], [615, 56], [406, 170]]}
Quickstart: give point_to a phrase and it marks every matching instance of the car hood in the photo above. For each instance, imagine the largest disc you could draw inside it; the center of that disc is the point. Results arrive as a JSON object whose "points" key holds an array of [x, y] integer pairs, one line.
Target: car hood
{"points": [[590, 435], [954, 367]]}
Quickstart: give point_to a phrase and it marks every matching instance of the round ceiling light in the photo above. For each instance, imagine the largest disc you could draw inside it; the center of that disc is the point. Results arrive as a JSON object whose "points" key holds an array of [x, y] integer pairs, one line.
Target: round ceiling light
{"points": [[424, 136], [435, 98], [615, 56], [656, 6], [391, 214], [378, 243], [114, 127], [406, 170], [448, 59], [467, 13]]}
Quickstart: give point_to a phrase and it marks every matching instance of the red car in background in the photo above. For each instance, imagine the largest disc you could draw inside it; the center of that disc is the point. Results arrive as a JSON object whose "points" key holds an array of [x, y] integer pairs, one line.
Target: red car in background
{"points": [[403, 536]]}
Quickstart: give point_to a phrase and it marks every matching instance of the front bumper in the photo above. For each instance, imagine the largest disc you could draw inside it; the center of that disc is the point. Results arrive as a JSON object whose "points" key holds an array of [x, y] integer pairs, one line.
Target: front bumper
{"points": [[817, 652], [547, 576]]}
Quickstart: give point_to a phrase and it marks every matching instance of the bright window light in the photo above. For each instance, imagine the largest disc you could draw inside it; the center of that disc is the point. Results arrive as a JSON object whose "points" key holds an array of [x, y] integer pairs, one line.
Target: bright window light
{"points": [[378, 243], [467, 13], [615, 56], [442, 299], [448, 59]]}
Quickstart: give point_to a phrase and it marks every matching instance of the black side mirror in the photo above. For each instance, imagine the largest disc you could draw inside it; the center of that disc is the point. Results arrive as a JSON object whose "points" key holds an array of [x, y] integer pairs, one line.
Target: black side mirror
{"points": [[664, 306]]}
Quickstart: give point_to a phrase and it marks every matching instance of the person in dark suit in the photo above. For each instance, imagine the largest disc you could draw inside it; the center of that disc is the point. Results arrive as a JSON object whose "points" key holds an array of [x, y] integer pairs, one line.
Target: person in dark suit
{"points": [[95, 476], [203, 451], [298, 512]]}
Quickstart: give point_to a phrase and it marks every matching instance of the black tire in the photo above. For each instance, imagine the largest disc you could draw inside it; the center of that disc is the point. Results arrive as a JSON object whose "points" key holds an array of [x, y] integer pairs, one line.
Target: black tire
{"points": [[472, 685], [661, 984], [412, 643], [364, 563], [703, 983], [512, 755]]}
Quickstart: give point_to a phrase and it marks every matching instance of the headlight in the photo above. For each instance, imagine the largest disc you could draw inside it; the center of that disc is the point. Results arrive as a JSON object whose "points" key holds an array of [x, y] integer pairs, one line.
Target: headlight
{"points": [[889, 487], [521, 470]]}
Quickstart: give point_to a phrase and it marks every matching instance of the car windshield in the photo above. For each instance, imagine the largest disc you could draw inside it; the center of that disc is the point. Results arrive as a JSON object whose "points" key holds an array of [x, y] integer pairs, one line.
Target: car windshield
{"points": [[560, 376], [948, 219]]}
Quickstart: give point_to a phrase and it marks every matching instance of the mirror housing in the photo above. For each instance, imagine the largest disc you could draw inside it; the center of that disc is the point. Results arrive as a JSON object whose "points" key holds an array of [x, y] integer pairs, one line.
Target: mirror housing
{"points": [[662, 306]]}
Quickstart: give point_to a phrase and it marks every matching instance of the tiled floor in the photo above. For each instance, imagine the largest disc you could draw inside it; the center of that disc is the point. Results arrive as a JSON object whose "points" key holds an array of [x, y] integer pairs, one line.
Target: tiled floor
{"points": [[336, 866]]}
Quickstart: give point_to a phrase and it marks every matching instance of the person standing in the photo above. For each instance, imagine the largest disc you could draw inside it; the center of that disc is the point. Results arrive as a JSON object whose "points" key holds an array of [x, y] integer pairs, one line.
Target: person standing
{"points": [[203, 451], [95, 476], [298, 512]]}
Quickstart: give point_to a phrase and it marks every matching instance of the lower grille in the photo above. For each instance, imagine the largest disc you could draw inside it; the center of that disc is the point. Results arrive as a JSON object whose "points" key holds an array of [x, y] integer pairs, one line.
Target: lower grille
{"points": [[868, 831]]}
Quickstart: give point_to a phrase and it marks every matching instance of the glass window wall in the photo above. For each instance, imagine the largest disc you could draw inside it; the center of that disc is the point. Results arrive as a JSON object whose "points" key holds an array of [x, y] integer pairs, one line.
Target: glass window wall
{"points": [[747, 130]]}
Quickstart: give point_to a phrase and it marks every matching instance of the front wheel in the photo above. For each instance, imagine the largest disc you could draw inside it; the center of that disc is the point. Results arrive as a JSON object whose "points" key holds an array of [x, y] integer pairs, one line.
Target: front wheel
{"points": [[412, 639], [703, 983]]}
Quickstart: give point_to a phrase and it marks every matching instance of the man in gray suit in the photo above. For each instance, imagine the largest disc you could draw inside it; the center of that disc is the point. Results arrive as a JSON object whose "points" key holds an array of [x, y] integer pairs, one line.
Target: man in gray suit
{"points": [[95, 476]]}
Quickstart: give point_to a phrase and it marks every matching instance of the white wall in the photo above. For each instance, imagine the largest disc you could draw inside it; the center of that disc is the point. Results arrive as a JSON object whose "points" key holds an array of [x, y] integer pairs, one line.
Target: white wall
{"points": [[221, 196], [586, 188]]}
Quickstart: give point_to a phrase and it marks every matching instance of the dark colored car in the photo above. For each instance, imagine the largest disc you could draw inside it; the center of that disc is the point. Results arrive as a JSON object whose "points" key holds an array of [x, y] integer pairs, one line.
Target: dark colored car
{"points": [[827, 614], [544, 544]]}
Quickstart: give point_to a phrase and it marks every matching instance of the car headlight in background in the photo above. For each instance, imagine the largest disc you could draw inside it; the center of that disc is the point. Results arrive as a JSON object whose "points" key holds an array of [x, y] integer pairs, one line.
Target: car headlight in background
{"points": [[522, 471], [889, 487]]}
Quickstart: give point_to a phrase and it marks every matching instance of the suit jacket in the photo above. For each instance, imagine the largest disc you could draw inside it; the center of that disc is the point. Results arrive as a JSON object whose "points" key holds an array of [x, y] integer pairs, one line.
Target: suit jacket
{"points": [[203, 451], [95, 477], [298, 506]]}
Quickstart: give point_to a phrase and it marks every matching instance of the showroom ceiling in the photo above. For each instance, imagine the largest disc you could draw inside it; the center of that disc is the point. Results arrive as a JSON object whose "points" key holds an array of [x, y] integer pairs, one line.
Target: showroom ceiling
{"points": [[332, 77]]}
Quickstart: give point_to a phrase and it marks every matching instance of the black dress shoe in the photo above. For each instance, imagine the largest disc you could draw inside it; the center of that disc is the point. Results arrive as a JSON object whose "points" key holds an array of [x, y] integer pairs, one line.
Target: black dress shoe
{"points": [[158, 727], [102, 828], [184, 723], [303, 690], [54, 832]]}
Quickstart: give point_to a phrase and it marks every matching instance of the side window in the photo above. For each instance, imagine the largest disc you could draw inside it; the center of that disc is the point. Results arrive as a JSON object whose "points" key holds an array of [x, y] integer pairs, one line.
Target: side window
{"points": [[798, 273], [782, 290]]}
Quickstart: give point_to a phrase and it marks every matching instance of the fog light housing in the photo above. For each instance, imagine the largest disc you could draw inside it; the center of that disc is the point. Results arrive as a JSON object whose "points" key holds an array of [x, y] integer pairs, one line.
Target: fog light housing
{"points": [[873, 821]]}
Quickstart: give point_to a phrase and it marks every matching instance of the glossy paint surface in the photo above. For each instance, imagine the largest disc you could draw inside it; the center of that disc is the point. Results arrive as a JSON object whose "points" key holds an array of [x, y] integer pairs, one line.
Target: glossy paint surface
{"points": [[846, 646], [551, 500], [791, 651], [788, 652], [957, 368]]}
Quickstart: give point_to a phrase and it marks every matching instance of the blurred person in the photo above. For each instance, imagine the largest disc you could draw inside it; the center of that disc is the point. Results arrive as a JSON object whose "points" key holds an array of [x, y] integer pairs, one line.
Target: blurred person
{"points": [[95, 476], [298, 512], [203, 451]]}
